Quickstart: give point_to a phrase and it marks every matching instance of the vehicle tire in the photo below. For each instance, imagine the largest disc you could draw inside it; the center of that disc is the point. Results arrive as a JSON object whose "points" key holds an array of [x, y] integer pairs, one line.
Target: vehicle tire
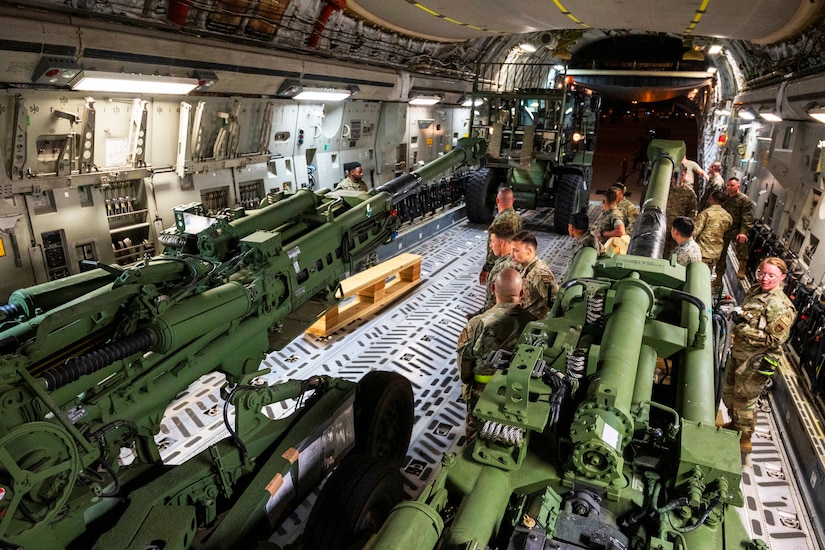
{"points": [[480, 195], [353, 504], [384, 415], [568, 187]]}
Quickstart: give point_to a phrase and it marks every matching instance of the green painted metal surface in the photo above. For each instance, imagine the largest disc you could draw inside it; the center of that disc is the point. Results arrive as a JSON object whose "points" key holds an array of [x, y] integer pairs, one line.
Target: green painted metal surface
{"points": [[88, 365], [598, 428]]}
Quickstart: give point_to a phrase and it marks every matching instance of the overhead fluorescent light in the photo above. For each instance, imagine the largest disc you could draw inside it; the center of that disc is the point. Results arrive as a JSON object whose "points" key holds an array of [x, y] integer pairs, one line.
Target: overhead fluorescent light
{"points": [[818, 114], [746, 114], [527, 47], [295, 90], [322, 94], [770, 116], [467, 101], [424, 100], [712, 70], [101, 81], [722, 112], [715, 49]]}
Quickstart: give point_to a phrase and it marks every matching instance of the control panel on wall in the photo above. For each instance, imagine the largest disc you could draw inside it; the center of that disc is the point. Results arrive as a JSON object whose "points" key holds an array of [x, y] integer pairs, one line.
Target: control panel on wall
{"points": [[359, 125], [55, 253], [128, 220]]}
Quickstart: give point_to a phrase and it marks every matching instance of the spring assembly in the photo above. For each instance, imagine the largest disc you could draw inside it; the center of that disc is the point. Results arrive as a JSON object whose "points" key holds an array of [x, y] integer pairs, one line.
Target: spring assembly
{"points": [[595, 309], [503, 434], [576, 363], [10, 311], [92, 362]]}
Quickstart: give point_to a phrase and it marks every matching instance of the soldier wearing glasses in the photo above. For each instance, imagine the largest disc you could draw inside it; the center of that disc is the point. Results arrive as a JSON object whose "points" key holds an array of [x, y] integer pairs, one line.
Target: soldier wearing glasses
{"points": [[762, 327]]}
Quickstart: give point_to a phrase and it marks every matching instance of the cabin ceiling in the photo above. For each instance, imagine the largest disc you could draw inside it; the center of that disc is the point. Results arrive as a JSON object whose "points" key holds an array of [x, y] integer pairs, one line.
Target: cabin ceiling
{"points": [[752, 20], [444, 39]]}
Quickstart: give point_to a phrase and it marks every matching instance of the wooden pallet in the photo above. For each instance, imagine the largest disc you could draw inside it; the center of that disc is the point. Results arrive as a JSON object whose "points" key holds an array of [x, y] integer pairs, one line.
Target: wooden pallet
{"points": [[369, 291]]}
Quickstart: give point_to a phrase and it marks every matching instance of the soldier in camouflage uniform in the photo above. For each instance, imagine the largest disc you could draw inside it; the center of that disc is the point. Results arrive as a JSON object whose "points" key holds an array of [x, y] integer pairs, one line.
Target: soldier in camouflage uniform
{"points": [[497, 328], [506, 217], [353, 181], [715, 183], [539, 285], [627, 208], [761, 329], [686, 251], [501, 243], [681, 201], [690, 170], [610, 222], [740, 208], [709, 228], [579, 229]]}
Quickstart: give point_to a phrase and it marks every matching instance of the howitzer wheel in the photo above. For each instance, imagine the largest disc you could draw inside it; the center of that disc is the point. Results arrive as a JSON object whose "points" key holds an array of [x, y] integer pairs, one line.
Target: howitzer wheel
{"points": [[355, 501], [480, 195], [39, 464], [384, 415]]}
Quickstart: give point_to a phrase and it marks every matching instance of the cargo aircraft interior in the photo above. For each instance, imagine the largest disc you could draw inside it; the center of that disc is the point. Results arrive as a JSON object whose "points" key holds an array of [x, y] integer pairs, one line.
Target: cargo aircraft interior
{"points": [[214, 335]]}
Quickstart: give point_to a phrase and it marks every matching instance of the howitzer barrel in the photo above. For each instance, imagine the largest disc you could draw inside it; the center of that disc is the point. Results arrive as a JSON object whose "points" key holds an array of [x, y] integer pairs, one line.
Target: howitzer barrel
{"points": [[218, 243], [277, 214], [46, 296], [467, 151], [650, 228]]}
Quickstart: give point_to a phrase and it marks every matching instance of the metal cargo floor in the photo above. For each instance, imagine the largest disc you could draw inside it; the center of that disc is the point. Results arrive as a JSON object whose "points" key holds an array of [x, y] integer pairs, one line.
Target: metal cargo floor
{"points": [[416, 337]]}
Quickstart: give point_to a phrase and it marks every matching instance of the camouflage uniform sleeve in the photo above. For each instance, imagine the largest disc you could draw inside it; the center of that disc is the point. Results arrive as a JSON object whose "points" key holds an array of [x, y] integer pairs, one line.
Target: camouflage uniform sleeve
{"points": [[552, 287], [781, 315], [699, 223], [491, 258], [747, 215], [632, 213], [464, 348], [771, 326]]}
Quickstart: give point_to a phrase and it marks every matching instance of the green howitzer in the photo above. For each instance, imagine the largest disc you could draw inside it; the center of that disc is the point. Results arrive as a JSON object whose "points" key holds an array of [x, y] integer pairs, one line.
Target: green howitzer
{"points": [[89, 364], [598, 428]]}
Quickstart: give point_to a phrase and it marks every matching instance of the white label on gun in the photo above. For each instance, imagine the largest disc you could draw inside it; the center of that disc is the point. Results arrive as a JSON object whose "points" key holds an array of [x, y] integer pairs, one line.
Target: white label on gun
{"points": [[293, 255]]}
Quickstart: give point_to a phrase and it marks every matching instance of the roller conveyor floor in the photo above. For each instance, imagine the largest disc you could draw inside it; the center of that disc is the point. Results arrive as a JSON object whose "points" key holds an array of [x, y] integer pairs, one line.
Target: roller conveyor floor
{"points": [[416, 337]]}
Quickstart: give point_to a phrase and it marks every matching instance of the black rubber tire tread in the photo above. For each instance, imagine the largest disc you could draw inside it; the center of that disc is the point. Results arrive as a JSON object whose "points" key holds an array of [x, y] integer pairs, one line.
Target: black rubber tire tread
{"points": [[480, 195], [567, 195], [384, 415], [355, 501]]}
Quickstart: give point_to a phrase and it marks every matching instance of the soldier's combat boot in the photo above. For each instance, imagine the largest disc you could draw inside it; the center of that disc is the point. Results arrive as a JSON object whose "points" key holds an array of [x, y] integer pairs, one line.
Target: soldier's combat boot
{"points": [[742, 272], [745, 445]]}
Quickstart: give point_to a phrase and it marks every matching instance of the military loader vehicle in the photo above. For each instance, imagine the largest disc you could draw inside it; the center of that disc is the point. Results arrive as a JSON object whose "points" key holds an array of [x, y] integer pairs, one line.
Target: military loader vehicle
{"points": [[599, 427], [89, 363], [541, 141]]}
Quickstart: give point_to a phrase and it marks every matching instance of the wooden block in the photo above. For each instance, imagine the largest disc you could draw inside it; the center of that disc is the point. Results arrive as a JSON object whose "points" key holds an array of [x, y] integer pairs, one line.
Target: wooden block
{"points": [[372, 290]]}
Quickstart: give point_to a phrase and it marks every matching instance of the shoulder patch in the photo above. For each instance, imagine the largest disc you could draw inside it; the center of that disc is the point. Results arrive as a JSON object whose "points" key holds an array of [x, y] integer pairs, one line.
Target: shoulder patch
{"points": [[782, 323]]}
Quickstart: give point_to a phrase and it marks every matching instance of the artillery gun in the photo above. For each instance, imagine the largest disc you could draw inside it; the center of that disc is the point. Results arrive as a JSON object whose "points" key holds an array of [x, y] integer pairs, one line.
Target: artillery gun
{"points": [[599, 427], [89, 364]]}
